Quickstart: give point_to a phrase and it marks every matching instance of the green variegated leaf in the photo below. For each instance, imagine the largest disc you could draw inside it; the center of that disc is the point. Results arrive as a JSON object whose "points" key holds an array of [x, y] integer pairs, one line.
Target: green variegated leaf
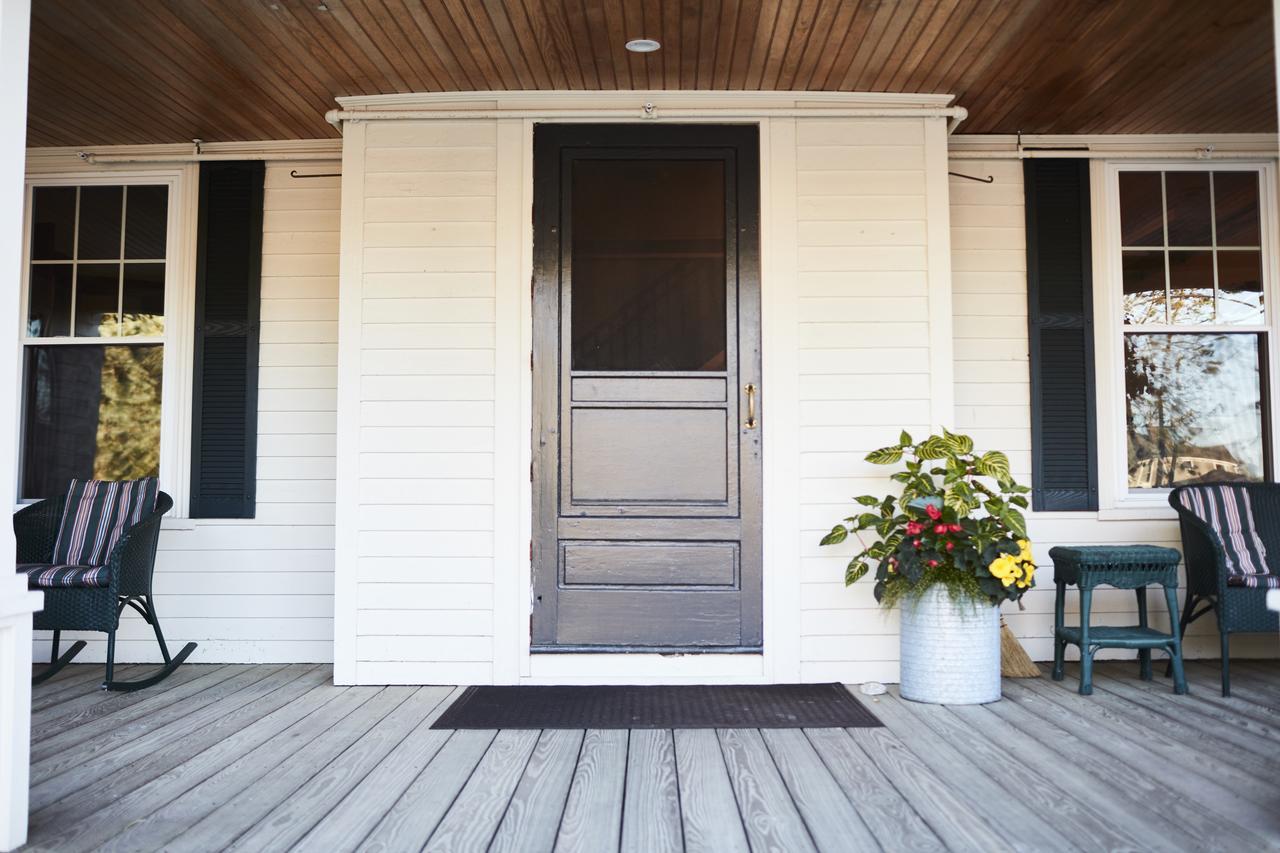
{"points": [[868, 500], [885, 456], [837, 535], [933, 447], [855, 571], [994, 464], [1015, 522], [905, 439]]}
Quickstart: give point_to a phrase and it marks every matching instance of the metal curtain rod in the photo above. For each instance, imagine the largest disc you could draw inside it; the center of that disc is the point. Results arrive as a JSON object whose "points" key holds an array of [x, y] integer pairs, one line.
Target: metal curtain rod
{"points": [[293, 173], [989, 179]]}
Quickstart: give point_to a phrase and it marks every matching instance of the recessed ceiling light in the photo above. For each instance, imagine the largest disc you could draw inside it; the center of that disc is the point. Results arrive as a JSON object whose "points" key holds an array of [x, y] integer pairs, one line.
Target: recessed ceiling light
{"points": [[642, 45]]}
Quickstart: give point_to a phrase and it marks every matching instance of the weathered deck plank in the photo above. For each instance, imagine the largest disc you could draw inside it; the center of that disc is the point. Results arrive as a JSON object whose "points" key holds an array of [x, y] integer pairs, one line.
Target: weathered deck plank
{"points": [[409, 820], [768, 811], [592, 821], [349, 822], [709, 808], [472, 820], [1040, 721], [1024, 825], [295, 816], [533, 816], [272, 758], [830, 817], [651, 806]]}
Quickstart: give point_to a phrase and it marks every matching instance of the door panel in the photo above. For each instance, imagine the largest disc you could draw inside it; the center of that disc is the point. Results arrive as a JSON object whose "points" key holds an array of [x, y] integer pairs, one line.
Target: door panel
{"points": [[650, 564], [646, 333], [636, 456]]}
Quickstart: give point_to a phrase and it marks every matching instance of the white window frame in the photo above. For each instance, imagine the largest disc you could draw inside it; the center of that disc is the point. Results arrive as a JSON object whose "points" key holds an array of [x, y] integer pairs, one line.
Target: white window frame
{"points": [[179, 311], [1115, 499]]}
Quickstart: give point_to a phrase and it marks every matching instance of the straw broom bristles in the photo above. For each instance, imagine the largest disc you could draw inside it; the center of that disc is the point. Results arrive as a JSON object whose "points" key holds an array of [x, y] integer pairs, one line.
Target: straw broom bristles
{"points": [[1014, 660]]}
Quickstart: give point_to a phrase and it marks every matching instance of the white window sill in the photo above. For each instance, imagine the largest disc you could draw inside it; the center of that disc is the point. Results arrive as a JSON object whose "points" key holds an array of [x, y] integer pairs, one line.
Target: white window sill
{"points": [[1138, 511]]}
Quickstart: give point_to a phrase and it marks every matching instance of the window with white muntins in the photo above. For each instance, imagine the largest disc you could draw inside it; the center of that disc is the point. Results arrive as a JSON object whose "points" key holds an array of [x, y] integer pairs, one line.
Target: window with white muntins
{"points": [[1193, 317], [100, 320]]}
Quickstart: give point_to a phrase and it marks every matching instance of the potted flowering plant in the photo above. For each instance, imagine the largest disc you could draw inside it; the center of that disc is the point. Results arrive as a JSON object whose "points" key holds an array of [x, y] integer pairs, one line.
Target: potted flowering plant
{"points": [[949, 549]]}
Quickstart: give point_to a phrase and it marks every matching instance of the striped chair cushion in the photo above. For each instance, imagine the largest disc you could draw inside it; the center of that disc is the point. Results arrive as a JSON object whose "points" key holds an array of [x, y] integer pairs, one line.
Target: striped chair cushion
{"points": [[1255, 581], [97, 514], [55, 575], [1226, 509]]}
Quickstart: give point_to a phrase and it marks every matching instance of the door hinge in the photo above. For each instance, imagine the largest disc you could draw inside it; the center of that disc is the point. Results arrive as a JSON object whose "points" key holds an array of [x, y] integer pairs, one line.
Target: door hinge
{"points": [[530, 549], [531, 361]]}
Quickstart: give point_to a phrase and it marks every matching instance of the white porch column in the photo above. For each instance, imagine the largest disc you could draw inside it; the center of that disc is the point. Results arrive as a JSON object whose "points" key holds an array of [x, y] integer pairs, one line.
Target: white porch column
{"points": [[16, 604]]}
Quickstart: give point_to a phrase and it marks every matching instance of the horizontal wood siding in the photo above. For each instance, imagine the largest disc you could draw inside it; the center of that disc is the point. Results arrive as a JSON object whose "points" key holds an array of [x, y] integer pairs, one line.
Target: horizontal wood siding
{"points": [[425, 521], [993, 404], [862, 278], [261, 589]]}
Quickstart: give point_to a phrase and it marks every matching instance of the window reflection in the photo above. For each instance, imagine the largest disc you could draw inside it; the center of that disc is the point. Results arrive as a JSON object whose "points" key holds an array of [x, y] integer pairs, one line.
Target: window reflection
{"points": [[91, 411], [1194, 405], [1144, 296]]}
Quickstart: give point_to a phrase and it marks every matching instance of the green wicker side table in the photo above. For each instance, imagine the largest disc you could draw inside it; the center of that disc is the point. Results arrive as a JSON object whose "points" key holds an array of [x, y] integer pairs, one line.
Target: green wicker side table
{"points": [[1125, 567]]}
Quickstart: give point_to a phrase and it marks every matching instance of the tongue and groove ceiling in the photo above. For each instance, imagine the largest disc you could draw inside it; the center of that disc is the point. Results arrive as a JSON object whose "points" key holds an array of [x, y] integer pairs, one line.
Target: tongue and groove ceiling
{"points": [[142, 71]]}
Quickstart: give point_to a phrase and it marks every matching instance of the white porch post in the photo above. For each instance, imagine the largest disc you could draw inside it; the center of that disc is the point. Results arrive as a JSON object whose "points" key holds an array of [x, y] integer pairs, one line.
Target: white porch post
{"points": [[16, 604]]}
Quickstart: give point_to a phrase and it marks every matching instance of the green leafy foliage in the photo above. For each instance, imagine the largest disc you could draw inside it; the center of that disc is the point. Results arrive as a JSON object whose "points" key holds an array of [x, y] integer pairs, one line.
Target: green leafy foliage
{"points": [[956, 521]]}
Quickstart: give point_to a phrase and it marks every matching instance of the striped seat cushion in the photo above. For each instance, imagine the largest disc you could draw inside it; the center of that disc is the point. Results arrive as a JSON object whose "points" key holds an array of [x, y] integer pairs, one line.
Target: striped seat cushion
{"points": [[1255, 581], [56, 575], [1226, 509], [97, 514]]}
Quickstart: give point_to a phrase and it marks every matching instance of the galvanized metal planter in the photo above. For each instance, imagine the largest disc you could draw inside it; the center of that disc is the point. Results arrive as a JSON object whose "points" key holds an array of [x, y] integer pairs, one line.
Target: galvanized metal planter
{"points": [[950, 650]]}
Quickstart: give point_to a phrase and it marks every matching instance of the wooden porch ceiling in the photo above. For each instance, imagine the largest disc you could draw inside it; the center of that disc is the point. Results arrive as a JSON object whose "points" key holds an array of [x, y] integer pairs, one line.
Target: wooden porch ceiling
{"points": [[142, 71]]}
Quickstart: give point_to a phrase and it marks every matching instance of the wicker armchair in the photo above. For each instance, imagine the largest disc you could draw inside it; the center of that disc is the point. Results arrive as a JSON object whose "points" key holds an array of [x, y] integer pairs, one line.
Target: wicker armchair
{"points": [[1215, 582], [97, 608]]}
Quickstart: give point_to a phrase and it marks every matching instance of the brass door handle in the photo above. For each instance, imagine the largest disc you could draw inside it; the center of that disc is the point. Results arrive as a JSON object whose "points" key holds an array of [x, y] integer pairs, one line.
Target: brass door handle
{"points": [[751, 406]]}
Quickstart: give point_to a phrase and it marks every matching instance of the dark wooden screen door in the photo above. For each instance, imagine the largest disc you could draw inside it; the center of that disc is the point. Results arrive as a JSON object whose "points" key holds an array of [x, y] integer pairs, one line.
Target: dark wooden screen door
{"points": [[646, 359]]}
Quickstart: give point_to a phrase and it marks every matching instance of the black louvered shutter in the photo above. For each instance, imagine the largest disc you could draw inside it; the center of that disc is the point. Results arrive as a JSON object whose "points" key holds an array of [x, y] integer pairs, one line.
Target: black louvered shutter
{"points": [[228, 284], [1064, 468]]}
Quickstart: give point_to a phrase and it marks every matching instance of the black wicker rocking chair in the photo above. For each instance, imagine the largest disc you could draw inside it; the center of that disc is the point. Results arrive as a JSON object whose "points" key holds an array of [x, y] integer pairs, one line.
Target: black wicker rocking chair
{"points": [[128, 572], [1216, 580]]}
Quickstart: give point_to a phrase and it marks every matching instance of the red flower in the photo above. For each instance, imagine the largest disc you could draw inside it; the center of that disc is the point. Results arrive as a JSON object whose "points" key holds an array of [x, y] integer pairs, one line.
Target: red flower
{"points": [[914, 528], [955, 528], [918, 543], [932, 511], [940, 529], [933, 564], [951, 546]]}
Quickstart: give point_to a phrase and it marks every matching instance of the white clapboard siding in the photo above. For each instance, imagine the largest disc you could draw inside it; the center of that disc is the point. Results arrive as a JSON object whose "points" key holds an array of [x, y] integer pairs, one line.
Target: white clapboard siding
{"points": [[261, 590], [424, 543], [862, 282]]}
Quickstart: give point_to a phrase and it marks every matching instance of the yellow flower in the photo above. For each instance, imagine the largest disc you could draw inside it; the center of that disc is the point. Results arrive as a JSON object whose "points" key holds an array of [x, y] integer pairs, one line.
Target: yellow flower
{"points": [[1025, 547], [1004, 567]]}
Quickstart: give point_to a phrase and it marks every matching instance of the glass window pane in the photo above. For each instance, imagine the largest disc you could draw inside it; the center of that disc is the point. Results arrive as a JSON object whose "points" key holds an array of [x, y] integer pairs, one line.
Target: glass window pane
{"points": [[53, 222], [143, 311], [146, 212], [1235, 196], [648, 265], [1143, 298], [1194, 405], [99, 223], [97, 300], [1141, 209], [49, 301], [90, 411], [1187, 199], [1190, 287], [1240, 287]]}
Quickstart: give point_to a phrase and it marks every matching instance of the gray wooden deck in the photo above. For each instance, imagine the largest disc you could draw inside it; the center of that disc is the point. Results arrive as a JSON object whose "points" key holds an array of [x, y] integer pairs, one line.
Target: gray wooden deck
{"points": [[276, 758]]}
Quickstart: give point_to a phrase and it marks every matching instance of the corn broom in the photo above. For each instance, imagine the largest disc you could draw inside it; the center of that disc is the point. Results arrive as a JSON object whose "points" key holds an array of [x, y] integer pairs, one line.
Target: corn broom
{"points": [[1014, 660]]}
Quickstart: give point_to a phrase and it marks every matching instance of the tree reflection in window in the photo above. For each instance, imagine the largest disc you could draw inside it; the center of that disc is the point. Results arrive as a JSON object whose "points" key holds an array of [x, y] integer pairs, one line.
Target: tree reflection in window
{"points": [[1195, 408]]}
